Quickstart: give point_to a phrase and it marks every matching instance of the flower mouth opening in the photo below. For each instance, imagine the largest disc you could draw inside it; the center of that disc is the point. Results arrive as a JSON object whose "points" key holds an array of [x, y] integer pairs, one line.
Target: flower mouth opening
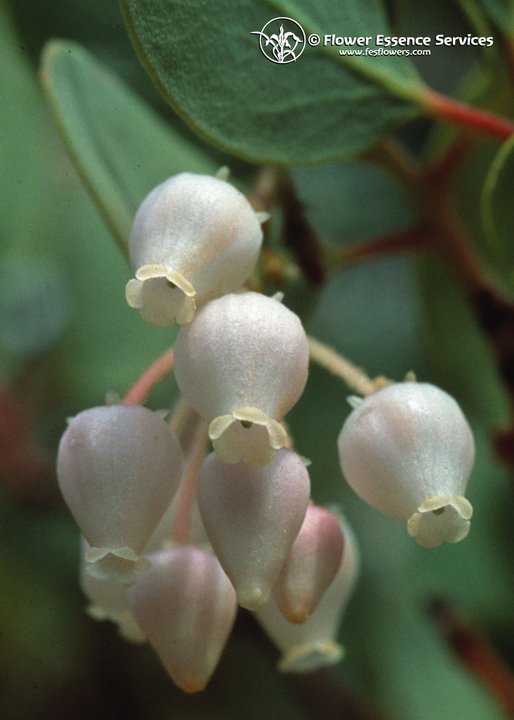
{"points": [[247, 435], [119, 564], [161, 295], [440, 519], [311, 656]]}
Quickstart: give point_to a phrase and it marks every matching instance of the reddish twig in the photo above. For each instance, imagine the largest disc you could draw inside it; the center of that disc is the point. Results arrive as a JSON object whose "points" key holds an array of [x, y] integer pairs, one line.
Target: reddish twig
{"points": [[341, 257], [442, 172], [475, 652], [484, 122], [299, 235]]}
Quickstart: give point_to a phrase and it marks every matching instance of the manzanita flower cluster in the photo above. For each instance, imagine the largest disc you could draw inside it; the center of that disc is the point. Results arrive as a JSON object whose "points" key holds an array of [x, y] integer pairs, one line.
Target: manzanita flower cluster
{"points": [[176, 538]]}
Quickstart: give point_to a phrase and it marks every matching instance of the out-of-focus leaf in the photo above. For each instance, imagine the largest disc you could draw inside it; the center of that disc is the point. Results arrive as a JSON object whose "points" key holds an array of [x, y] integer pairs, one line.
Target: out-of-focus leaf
{"points": [[501, 12], [498, 210], [121, 148], [34, 289], [34, 306], [26, 155], [351, 202], [207, 64], [43, 644], [468, 369]]}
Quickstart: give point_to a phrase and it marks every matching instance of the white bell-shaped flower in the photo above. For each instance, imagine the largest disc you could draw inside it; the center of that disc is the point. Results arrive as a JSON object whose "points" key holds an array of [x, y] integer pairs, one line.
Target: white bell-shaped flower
{"points": [[408, 451], [193, 238], [313, 644], [311, 564], [109, 600], [242, 364], [118, 468], [186, 607], [252, 517]]}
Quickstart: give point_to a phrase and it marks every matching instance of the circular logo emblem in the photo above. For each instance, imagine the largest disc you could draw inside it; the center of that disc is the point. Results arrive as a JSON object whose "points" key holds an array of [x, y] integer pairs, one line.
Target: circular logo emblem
{"points": [[281, 40]]}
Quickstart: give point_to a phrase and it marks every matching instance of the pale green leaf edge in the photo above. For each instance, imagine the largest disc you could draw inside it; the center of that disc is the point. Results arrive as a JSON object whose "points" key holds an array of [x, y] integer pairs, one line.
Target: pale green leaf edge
{"points": [[489, 187], [120, 220], [162, 89]]}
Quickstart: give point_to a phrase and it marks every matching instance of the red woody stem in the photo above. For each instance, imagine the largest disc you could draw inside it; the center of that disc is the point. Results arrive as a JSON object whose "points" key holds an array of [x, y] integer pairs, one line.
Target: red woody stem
{"points": [[475, 652], [486, 123]]}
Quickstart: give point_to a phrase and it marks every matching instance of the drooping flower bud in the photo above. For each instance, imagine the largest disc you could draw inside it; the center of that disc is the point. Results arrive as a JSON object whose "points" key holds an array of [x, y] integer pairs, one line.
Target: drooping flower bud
{"points": [[252, 516], [194, 237], [313, 644], [118, 468], [242, 364], [311, 565], [408, 450], [186, 607]]}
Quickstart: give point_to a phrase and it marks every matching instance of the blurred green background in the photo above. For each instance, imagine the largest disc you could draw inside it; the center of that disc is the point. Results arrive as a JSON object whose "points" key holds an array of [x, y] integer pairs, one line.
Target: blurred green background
{"points": [[67, 338]]}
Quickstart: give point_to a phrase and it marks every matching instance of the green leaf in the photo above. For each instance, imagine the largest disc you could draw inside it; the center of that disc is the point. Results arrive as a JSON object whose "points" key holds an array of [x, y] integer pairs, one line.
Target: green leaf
{"points": [[120, 147], [35, 302], [449, 330], [353, 18], [207, 64], [501, 12], [498, 210], [364, 187]]}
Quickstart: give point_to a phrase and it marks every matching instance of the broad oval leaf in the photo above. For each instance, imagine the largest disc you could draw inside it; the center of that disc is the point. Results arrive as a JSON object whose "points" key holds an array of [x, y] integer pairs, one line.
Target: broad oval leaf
{"points": [[206, 62], [120, 146]]}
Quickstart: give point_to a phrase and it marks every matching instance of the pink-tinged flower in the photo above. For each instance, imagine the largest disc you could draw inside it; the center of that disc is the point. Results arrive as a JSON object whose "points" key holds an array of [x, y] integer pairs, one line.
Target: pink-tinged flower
{"points": [[408, 451], [118, 468], [252, 516], [186, 606], [194, 237], [242, 364]]}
